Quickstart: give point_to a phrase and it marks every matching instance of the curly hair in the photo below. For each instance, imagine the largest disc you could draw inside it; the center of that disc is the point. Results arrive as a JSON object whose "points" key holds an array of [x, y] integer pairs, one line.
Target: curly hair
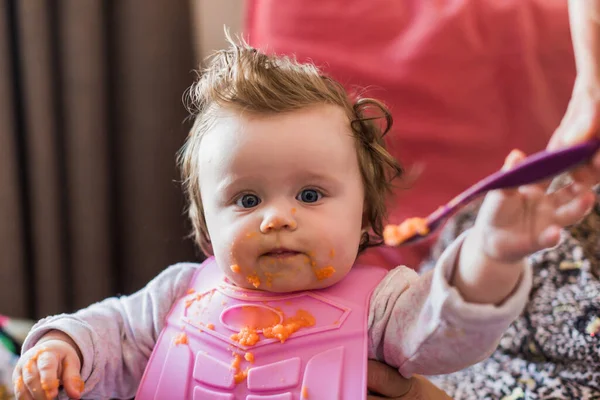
{"points": [[243, 78]]}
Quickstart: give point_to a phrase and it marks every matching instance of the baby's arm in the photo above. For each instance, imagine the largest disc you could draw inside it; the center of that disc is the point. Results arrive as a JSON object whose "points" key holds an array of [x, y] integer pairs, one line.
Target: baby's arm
{"points": [[422, 325], [116, 336], [511, 225]]}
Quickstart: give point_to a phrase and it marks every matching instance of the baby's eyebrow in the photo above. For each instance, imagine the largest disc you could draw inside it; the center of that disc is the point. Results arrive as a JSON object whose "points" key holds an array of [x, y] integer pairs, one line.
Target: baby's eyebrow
{"points": [[310, 176], [231, 183]]}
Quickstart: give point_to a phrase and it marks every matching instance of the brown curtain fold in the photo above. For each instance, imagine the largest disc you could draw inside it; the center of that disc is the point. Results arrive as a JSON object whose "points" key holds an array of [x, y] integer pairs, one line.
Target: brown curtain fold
{"points": [[91, 117]]}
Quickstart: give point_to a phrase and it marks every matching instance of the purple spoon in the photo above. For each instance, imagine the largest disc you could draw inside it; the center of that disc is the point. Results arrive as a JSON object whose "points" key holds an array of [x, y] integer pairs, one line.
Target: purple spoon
{"points": [[537, 167]]}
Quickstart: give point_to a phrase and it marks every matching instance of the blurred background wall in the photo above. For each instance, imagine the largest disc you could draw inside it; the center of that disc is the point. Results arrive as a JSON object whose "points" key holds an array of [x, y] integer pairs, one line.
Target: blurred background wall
{"points": [[90, 120]]}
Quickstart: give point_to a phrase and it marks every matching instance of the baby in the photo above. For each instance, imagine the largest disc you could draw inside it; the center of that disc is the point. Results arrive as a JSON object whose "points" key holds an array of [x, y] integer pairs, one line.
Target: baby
{"points": [[287, 180]]}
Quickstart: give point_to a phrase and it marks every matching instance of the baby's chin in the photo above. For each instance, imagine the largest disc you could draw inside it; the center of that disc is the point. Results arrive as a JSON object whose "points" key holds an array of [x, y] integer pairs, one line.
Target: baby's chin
{"points": [[287, 284]]}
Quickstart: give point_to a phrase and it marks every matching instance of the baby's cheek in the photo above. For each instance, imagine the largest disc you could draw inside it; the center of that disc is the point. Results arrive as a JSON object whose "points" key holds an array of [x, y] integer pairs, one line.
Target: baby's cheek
{"points": [[242, 276]]}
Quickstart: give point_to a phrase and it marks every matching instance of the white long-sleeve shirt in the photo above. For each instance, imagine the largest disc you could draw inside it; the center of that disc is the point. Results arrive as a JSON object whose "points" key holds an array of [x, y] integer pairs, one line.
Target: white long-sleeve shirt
{"points": [[419, 324]]}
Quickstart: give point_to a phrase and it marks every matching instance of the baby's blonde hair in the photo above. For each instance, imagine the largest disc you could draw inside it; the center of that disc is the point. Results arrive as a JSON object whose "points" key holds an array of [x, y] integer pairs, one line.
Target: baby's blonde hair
{"points": [[242, 78]]}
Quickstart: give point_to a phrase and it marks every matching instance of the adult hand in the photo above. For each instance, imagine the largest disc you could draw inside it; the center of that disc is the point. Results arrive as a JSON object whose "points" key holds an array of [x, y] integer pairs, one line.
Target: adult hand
{"points": [[581, 122], [389, 384]]}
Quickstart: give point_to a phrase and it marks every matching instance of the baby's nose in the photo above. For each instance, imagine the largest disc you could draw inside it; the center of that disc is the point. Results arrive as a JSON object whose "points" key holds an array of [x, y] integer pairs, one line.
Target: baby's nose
{"points": [[278, 220]]}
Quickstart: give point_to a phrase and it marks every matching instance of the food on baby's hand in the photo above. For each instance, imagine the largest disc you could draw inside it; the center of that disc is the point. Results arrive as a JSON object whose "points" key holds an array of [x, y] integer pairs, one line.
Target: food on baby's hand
{"points": [[49, 387]]}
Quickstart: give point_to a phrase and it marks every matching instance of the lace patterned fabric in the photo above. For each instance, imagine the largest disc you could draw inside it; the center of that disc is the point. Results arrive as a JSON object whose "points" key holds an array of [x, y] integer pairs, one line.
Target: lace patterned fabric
{"points": [[552, 351]]}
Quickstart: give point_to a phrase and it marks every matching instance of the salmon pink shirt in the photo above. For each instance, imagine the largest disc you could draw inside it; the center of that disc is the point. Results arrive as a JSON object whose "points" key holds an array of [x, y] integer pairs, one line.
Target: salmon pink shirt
{"points": [[466, 81]]}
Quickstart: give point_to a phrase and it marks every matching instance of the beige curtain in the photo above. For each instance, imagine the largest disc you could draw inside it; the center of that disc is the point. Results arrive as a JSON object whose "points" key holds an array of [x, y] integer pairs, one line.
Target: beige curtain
{"points": [[90, 120]]}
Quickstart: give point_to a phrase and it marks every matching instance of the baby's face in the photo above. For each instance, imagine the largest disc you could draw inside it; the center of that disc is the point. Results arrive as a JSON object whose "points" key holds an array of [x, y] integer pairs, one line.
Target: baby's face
{"points": [[283, 198]]}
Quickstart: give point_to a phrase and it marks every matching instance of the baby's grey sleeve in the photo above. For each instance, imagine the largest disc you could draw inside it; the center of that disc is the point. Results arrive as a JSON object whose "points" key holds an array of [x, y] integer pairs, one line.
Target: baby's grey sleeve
{"points": [[116, 336]]}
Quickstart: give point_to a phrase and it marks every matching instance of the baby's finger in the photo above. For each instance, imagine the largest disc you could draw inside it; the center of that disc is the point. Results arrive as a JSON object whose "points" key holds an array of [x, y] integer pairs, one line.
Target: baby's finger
{"points": [[585, 175], [549, 237], [48, 364], [31, 378], [512, 159], [574, 210], [21, 392], [595, 165], [566, 194], [71, 380]]}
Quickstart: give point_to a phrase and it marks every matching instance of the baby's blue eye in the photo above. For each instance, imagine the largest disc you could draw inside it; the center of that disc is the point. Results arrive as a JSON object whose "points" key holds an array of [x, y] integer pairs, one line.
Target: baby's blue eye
{"points": [[248, 201], [309, 196]]}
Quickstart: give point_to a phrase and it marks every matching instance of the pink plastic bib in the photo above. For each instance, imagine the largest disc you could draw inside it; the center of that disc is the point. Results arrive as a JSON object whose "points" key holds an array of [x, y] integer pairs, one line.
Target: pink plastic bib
{"points": [[196, 358]]}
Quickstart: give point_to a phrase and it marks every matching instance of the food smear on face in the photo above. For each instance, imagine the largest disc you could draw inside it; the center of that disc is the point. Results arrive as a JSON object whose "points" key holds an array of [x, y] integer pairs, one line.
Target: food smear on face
{"points": [[393, 235], [235, 268], [324, 273], [253, 279], [332, 253]]}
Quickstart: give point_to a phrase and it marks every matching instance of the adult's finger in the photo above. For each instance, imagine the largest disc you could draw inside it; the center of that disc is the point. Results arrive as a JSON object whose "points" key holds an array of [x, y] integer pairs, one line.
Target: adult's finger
{"points": [[385, 380]]}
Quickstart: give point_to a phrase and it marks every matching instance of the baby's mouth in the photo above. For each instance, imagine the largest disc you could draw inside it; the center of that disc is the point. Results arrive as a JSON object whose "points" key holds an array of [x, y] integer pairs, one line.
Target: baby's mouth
{"points": [[281, 253]]}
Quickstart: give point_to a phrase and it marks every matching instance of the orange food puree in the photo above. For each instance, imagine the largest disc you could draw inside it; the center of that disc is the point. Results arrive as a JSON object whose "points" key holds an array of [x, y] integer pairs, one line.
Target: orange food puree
{"points": [[254, 280], [235, 268], [50, 387], [304, 392], [78, 383], [34, 359], [290, 325], [239, 374], [190, 301], [249, 357], [181, 339], [325, 272], [211, 326], [393, 235], [19, 385], [246, 337]]}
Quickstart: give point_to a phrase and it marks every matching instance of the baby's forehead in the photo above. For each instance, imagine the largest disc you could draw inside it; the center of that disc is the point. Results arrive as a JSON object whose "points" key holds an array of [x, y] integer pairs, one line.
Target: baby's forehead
{"points": [[305, 143]]}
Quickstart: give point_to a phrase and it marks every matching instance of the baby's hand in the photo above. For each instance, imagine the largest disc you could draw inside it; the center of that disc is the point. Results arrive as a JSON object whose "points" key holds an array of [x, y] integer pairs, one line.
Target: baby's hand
{"points": [[54, 360], [517, 222]]}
